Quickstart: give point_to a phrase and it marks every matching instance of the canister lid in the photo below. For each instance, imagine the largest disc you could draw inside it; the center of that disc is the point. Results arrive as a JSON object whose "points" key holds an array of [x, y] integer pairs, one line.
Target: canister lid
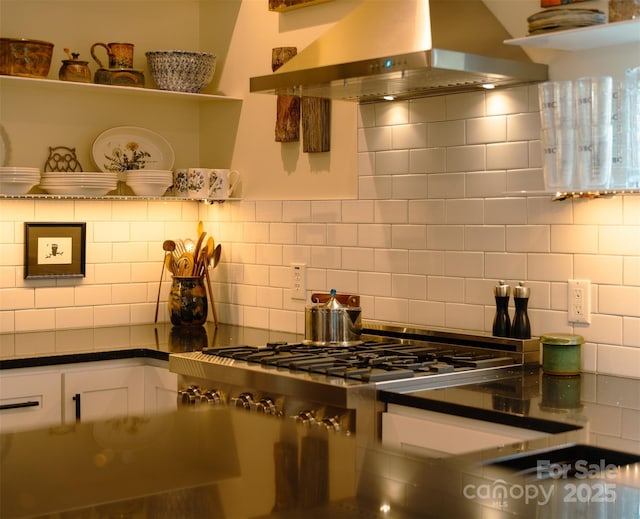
{"points": [[562, 339]]}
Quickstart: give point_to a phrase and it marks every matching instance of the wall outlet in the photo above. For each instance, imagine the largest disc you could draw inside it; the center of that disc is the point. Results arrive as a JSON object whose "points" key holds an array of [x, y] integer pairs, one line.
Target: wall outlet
{"points": [[299, 281], [579, 301]]}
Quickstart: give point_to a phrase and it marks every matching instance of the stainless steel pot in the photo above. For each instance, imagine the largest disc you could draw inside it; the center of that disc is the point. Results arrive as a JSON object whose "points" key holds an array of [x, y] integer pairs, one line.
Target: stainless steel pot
{"points": [[335, 320]]}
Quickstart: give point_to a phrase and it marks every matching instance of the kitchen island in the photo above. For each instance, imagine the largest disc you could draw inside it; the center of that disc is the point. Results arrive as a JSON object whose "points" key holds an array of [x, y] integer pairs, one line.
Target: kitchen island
{"points": [[223, 462]]}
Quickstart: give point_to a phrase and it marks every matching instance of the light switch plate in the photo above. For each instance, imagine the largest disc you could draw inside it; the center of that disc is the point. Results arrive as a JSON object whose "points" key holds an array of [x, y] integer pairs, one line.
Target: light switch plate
{"points": [[579, 301], [298, 280]]}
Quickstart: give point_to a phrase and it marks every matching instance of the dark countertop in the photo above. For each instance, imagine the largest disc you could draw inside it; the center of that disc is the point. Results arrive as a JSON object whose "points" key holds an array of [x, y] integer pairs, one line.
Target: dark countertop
{"points": [[226, 463]]}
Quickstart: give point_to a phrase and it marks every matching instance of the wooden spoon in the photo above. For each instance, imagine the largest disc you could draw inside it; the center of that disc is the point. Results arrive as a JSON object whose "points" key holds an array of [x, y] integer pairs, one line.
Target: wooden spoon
{"points": [[167, 256], [216, 255]]}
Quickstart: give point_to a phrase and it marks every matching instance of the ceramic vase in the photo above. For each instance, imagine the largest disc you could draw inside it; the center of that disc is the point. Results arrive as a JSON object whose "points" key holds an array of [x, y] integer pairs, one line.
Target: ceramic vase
{"points": [[188, 301]]}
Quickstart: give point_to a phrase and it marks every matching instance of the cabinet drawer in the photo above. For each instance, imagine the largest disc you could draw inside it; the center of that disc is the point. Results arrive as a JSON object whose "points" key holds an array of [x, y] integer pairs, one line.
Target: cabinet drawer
{"points": [[30, 400]]}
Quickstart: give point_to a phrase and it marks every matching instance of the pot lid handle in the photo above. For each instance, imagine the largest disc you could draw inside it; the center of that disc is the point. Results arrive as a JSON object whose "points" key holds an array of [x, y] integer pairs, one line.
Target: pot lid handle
{"points": [[333, 302]]}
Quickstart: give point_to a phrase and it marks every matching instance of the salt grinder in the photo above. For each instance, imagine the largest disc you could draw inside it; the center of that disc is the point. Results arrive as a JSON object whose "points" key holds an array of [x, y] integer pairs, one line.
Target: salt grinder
{"points": [[521, 328], [501, 321]]}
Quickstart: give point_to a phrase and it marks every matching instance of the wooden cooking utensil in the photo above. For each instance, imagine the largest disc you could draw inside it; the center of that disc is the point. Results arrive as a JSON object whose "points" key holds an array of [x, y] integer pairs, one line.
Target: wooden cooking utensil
{"points": [[164, 261]]}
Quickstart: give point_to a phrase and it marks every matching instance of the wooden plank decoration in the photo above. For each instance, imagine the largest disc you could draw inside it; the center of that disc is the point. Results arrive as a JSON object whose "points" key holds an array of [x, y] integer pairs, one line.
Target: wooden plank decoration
{"points": [[288, 5], [316, 124], [287, 107]]}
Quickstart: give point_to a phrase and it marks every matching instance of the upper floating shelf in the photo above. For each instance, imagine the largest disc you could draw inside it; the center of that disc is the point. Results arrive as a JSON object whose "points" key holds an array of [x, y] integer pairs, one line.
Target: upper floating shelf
{"points": [[584, 38], [120, 89]]}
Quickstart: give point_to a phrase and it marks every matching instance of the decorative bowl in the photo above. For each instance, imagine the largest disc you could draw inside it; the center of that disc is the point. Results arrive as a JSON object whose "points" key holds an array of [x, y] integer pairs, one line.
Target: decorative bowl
{"points": [[24, 57], [181, 70], [148, 188], [16, 186]]}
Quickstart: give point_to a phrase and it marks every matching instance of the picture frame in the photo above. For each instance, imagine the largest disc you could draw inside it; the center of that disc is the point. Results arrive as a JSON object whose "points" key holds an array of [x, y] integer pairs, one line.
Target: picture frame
{"points": [[54, 250]]}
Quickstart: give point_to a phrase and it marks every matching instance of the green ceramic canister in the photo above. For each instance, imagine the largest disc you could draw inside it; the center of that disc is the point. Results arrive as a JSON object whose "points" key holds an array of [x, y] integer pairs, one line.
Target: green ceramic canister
{"points": [[561, 353]]}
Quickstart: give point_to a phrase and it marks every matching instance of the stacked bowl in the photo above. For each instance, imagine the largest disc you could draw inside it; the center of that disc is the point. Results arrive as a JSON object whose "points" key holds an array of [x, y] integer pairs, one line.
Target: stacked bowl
{"points": [[18, 180], [149, 182], [181, 70], [79, 182]]}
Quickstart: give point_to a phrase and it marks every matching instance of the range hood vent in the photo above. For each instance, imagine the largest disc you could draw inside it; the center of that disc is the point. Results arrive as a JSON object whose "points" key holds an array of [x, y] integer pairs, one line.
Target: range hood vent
{"points": [[405, 49]]}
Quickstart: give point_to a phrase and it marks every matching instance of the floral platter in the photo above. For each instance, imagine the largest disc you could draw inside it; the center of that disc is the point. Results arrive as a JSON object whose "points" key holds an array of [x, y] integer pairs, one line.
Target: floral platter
{"points": [[125, 148]]}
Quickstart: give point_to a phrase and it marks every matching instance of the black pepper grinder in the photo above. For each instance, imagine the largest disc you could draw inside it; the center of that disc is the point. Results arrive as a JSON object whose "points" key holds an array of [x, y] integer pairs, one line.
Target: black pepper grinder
{"points": [[501, 321], [521, 328]]}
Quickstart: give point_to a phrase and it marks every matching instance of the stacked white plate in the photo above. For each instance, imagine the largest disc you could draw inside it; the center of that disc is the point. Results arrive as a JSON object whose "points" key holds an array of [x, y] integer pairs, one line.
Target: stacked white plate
{"points": [[149, 182], [18, 180], [82, 183]]}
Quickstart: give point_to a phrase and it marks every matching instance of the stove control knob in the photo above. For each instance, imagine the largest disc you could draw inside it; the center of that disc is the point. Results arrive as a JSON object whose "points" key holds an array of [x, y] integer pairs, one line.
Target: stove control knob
{"points": [[211, 397], [267, 406], [189, 396], [306, 418], [331, 424], [244, 401]]}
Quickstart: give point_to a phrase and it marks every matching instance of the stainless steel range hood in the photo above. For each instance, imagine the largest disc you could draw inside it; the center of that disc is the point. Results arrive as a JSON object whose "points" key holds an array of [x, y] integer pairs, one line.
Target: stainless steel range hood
{"points": [[407, 49]]}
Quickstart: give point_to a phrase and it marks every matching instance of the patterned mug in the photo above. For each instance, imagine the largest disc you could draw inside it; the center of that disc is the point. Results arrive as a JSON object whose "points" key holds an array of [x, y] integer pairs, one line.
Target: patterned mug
{"points": [[222, 182]]}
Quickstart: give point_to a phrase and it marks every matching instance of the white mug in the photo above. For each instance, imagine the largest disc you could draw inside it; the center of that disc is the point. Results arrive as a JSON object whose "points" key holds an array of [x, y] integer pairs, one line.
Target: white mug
{"points": [[222, 182], [198, 183]]}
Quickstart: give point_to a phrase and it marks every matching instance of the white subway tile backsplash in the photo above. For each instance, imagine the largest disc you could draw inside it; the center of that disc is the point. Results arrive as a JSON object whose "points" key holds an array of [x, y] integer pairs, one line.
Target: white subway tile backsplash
{"points": [[574, 238], [391, 309], [508, 101], [374, 283], [357, 258], [54, 210], [463, 264], [447, 185], [108, 273], [133, 251], [408, 286], [407, 187], [446, 289], [604, 211], [52, 297], [87, 295], [374, 139], [409, 136], [466, 106], [523, 127], [485, 184], [599, 269], [426, 211], [542, 210], [408, 237], [446, 133], [374, 187], [268, 254], [326, 210], [390, 211], [391, 260], [445, 237], [603, 329], [484, 237], [426, 262], [33, 320], [619, 300], [508, 155], [282, 232], [528, 238], [395, 162], [357, 211], [426, 313], [312, 234], [345, 234], [499, 265], [618, 360], [464, 211], [526, 180], [466, 158], [465, 317], [326, 257], [549, 267], [619, 240], [631, 270], [366, 163], [427, 109], [296, 211], [486, 129], [344, 281], [75, 317], [392, 113], [505, 211], [427, 160], [268, 210], [631, 331], [374, 235], [110, 232]]}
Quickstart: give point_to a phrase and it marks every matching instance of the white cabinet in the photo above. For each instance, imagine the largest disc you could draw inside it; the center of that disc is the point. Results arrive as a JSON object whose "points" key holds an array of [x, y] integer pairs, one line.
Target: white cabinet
{"points": [[29, 399], [438, 435], [161, 389], [37, 397], [102, 392]]}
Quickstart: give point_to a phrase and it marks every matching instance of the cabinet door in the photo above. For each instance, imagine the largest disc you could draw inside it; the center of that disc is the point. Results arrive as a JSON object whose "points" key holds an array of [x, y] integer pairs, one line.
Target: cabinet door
{"points": [[104, 392], [29, 400], [161, 389], [439, 435]]}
